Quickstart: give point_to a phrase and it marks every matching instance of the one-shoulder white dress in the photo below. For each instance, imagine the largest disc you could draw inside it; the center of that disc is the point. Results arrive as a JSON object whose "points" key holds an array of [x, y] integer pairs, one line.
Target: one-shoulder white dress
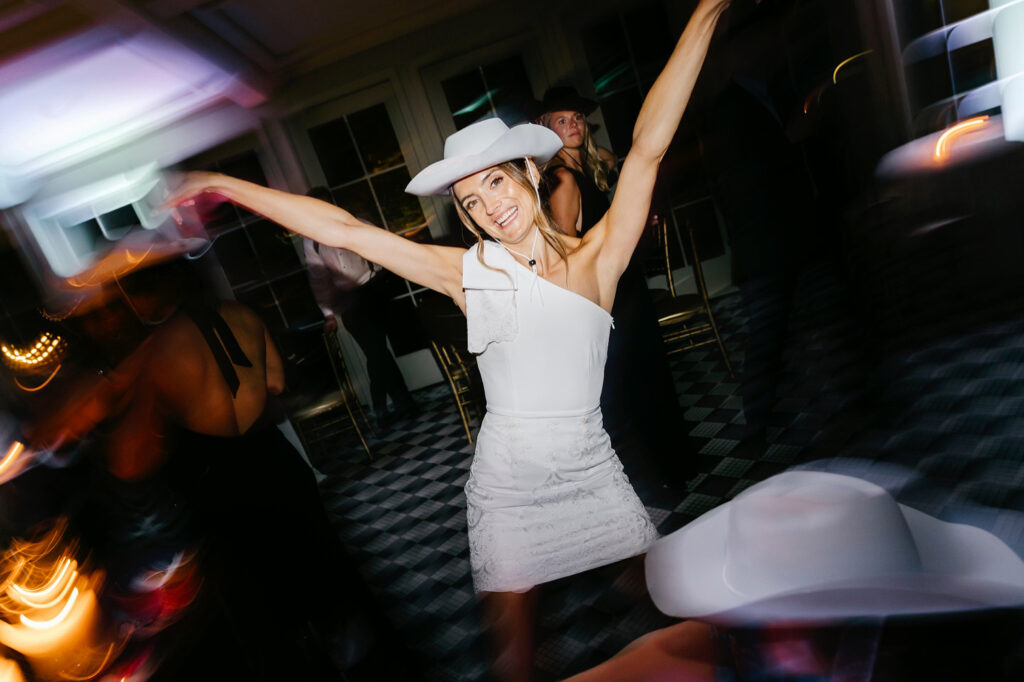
{"points": [[546, 495]]}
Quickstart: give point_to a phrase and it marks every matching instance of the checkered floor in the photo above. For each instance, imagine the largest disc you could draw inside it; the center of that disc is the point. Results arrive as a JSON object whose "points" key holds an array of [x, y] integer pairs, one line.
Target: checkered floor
{"points": [[951, 410]]}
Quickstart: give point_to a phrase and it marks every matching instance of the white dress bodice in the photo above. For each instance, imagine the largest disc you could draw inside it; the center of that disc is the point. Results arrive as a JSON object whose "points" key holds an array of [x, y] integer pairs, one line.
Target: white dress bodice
{"points": [[541, 348]]}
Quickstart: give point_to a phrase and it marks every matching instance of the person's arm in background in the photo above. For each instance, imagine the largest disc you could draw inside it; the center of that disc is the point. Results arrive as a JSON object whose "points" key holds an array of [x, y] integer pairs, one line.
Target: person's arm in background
{"points": [[320, 282], [565, 201]]}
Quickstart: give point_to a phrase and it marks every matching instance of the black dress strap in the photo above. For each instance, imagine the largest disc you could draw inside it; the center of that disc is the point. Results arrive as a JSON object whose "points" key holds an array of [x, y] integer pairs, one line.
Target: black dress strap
{"points": [[593, 202], [222, 343]]}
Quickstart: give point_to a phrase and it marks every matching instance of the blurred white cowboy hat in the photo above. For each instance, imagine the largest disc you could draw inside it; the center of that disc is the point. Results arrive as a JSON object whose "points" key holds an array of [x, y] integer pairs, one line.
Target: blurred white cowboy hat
{"points": [[86, 290], [482, 145], [808, 546]]}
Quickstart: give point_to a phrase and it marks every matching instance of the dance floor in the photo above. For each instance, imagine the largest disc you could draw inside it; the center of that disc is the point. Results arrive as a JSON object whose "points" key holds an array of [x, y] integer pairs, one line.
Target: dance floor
{"points": [[949, 408]]}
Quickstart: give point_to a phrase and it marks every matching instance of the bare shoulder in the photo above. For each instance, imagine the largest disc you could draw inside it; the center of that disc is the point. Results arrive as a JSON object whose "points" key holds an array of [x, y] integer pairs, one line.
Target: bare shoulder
{"points": [[563, 174]]}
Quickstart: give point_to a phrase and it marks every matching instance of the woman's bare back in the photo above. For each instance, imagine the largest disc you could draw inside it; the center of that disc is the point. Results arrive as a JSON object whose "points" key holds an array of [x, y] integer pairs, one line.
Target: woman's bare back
{"points": [[195, 391]]}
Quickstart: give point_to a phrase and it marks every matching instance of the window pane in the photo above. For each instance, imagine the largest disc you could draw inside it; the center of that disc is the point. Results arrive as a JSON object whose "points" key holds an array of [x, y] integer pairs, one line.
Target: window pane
{"points": [[376, 139], [928, 81], [917, 17], [608, 57], [973, 65], [273, 247], [401, 210], [467, 98], [956, 10], [246, 166], [357, 199], [620, 112], [236, 257], [649, 38], [296, 300], [510, 89], [334, 149]]}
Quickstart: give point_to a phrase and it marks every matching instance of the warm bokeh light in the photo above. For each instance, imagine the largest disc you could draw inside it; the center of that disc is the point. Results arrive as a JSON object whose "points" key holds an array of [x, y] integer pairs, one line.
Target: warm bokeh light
{"points": [[49, 611], [10, 672], [16, 448], [945, 141], [46, 348], [835, 73]]}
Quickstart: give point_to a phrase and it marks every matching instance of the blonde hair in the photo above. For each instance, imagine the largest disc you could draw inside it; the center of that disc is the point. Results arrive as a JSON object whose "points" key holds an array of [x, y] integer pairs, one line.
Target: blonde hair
{"points": [[589, 158], [518, 172]]}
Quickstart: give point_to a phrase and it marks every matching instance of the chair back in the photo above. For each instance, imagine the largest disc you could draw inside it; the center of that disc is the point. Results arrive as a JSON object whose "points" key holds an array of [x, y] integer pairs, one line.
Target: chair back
{"points": [[446, 326], [325, 398]]}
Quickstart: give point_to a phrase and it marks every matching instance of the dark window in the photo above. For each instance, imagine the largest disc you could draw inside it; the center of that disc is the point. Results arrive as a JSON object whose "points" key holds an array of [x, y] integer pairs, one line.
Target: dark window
{"points": [[364, 167], [259, 257], [366, 173], [499, 89], [938, 77], [626, 52]]}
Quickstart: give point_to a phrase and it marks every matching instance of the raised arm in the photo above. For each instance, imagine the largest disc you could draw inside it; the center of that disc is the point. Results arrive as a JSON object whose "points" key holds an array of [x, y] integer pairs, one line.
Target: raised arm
{"points": [[435, 267], [618, 232]]}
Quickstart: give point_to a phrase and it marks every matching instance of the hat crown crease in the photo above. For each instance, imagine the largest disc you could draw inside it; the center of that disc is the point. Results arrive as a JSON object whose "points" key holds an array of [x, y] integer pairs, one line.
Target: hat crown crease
{"points": [[854, 532]]}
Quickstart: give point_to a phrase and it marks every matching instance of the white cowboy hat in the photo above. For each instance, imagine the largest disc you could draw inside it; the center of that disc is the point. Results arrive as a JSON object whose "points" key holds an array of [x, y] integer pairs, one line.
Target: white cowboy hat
{"points": [[482, 145], [807, 546], [136, 251]]}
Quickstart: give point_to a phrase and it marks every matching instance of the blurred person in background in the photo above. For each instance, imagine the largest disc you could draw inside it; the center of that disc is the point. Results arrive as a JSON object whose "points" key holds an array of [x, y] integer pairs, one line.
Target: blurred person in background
{"points": [[193, 460], [348, 286], [638, 399]]}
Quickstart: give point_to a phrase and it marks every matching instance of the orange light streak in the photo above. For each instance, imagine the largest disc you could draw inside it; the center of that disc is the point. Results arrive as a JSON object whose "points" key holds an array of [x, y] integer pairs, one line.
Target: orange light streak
{"points": [[52, 585], [56, 600], [945, 141], [12, 454], [56, 620]]}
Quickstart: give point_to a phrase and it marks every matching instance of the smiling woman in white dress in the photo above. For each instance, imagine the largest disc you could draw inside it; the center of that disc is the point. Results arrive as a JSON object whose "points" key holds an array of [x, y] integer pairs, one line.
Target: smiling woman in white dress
{"points": [[546, 495]]}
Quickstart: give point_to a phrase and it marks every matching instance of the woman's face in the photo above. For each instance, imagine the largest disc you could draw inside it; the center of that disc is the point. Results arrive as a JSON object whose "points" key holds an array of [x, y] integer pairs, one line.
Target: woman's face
{"points": [[498, 204], [570, 126]]}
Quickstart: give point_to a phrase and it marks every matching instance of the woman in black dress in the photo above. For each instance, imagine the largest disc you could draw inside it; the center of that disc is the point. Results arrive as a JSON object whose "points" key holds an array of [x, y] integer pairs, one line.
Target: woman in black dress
{"points": [[638, 399]]}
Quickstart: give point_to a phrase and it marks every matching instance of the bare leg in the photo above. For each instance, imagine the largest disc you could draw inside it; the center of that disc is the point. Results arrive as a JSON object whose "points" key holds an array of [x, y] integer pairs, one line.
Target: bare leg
{"points": [[510, 620], [681, 653]]}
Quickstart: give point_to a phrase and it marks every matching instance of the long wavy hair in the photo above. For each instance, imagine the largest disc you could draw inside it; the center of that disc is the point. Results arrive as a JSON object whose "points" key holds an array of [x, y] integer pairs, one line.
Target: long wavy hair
{"points": [[518, 172], [589, 158]]}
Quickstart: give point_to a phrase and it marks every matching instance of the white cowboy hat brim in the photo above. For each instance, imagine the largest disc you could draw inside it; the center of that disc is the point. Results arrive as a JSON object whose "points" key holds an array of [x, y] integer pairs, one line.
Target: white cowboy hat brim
{"points": [[962, 567], [133, 254], [527, 140], [85, 291]]}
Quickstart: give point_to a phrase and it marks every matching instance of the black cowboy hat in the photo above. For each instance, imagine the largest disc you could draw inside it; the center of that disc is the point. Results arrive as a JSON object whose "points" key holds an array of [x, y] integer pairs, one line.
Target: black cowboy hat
{"points": [[565, 98]]}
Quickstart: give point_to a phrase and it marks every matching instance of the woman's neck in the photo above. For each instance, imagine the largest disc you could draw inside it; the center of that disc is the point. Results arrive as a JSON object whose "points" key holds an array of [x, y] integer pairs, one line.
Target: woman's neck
{"points": [[573, 156], [543, 254]]}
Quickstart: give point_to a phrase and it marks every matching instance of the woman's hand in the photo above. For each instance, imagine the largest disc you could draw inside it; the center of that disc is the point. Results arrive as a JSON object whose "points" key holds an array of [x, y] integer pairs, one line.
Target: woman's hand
{"points": [[188, 186]]}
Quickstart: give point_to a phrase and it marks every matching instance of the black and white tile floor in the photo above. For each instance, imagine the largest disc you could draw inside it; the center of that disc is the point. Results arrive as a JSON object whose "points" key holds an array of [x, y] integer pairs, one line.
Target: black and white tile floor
{"points": [[951, 410]]}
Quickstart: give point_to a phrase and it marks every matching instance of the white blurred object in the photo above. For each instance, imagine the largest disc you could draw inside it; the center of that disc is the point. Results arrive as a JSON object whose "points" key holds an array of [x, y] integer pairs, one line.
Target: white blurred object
{"points": [[95, 92], [1008, 44], [813, 546]]}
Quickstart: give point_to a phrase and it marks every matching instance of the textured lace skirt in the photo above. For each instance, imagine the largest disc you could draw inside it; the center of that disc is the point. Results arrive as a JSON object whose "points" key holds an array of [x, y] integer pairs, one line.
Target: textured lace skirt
{"points": [[547, 498]]}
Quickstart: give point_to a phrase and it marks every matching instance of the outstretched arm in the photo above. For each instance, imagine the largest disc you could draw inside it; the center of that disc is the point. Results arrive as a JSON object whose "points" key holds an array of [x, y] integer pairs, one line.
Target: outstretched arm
{"points": [[619, 231], [435, 267]]}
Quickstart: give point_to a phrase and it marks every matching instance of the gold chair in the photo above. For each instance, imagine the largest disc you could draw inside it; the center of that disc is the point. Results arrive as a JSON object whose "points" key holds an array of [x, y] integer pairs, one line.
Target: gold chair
{"points": [[458, 372], [686, 320], [446, 326], [336, 406]]}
